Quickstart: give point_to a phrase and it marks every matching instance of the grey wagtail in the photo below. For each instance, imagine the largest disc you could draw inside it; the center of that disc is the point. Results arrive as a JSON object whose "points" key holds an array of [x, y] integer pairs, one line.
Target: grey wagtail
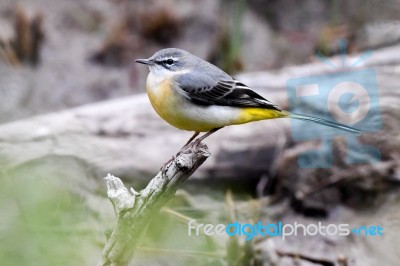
{"points": [[192, 94]]}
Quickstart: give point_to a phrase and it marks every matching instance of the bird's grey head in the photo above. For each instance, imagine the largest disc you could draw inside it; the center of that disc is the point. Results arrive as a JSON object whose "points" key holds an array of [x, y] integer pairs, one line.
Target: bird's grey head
{"points": [[170, 60]]}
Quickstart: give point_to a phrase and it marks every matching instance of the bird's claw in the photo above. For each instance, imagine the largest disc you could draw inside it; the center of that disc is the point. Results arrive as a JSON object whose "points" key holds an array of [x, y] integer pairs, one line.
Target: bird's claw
{"points": [[164, 168], [190, 145]]}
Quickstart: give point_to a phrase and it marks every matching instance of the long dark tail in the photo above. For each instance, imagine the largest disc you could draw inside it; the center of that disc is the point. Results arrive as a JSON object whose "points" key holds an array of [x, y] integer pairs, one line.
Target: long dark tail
{"points": [[324, 122]]}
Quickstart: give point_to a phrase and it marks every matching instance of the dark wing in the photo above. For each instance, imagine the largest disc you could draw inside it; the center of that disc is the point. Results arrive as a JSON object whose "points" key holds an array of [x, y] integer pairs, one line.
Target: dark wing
{"points": [[226, 93]]}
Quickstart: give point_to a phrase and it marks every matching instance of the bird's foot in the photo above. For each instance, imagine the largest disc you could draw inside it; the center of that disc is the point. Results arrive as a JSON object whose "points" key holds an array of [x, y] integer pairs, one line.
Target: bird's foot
{"points": [[185, 148], [164, 168], [190, 145]]}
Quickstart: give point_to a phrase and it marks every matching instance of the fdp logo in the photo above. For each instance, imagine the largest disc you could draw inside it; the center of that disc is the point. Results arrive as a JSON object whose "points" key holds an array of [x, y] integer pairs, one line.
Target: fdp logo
{"points": [[348, 96]]}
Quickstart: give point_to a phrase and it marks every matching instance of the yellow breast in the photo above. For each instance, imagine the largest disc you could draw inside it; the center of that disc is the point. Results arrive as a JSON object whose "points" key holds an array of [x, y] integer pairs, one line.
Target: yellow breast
{"points": [[167, 102], [161, 97]]}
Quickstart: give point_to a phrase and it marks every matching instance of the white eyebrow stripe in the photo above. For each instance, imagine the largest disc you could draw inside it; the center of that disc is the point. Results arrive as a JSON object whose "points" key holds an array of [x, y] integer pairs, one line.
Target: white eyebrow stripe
{"points": [[171, 57]]}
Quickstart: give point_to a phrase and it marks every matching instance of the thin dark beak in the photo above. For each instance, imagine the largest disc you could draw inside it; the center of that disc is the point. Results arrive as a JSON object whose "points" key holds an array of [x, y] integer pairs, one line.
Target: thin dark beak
{"points": [[145, 61]]}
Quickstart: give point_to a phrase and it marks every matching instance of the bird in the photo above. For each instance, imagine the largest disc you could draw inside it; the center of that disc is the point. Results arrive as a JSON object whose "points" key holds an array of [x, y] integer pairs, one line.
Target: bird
{"points": [[194, 95]]}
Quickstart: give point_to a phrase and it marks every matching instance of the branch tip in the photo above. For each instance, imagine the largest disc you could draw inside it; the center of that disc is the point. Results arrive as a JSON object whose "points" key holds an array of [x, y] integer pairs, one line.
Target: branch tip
{"points": [[134, 192]]}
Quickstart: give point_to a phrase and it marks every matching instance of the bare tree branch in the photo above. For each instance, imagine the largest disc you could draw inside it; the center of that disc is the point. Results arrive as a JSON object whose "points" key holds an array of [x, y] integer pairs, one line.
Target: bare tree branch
{"points": [[135, 209]]}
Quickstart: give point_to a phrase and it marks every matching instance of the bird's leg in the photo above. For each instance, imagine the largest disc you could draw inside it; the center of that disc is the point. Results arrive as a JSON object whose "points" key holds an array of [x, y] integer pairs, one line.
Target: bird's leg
{"points": [[196, 133], [198, 140], [190, 141], [164, 167]]}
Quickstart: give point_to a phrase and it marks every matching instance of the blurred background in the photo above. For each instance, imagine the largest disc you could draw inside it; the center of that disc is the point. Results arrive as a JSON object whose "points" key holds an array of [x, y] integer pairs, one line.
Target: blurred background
{"points": [[59, 55]]}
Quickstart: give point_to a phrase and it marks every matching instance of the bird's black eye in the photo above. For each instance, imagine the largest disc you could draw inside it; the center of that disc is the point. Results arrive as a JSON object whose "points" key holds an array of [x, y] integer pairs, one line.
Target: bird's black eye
{"points": [[169, 61]]}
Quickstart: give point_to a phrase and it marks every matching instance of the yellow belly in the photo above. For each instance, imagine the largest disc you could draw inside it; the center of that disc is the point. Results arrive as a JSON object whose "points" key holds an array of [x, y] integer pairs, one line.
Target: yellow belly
{"points": [[180, 113], [256, 114]]}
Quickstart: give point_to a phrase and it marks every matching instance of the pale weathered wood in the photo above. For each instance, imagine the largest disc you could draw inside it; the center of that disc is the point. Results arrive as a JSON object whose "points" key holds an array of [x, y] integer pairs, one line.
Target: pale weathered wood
{"points": [[135, 209], [120, 136]]}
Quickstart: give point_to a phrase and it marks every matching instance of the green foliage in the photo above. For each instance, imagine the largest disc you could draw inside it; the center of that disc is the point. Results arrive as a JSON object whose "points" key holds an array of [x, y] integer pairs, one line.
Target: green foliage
{"points": [[41, 223]]}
